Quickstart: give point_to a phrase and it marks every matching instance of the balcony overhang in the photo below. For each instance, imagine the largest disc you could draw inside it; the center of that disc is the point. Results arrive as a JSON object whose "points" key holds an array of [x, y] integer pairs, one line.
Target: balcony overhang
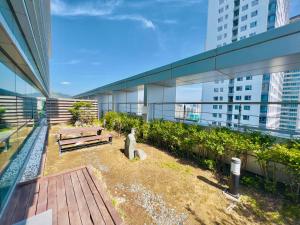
{"points": [[14, 52], [273, 51]]}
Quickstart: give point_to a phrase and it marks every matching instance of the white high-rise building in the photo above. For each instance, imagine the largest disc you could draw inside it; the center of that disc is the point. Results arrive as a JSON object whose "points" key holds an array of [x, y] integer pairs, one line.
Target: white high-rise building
{"points": [[290, 112], [234, 20]]}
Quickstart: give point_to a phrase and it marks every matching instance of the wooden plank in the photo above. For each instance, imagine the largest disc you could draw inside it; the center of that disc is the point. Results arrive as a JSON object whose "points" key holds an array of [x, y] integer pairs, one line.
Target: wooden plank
{"points": [[62, 207], [101, 205], [71, 201], [112, 211], [84, 139], [52, 201], [42, 199], [82, 205], [93, 208], [10, 209], [22, 203], [33, 205]]}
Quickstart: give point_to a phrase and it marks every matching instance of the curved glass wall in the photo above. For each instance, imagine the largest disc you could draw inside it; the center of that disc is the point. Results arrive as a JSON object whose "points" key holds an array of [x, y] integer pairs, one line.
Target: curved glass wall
{"points": [[21, 106]]}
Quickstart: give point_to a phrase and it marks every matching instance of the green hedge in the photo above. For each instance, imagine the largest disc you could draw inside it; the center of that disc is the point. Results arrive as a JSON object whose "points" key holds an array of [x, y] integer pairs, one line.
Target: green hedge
{"points": [[210, 147]]}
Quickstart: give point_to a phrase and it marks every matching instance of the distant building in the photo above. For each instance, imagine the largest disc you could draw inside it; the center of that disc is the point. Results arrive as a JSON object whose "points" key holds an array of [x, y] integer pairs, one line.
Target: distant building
{"points": [[234, 20], [291, 93]]}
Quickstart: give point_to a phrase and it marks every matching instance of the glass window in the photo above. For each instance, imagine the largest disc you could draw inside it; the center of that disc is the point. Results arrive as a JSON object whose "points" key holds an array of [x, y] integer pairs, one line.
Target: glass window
{"points": [[247, 97], [215, 107], [254, 3], [239, 79], [248, 87], [254, 13], [239, 88], [244, 7], [18, 109], [244, 18], [238, 97], [253, 24], [247, 107], [220, 106], [264, 97], [248, 77], [216, 89], [246, 117], [216, 98], [243, 28]]}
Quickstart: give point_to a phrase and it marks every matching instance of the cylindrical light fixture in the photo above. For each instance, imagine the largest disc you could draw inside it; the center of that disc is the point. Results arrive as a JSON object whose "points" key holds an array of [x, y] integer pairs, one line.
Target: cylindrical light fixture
{"points": [[235, 170]]}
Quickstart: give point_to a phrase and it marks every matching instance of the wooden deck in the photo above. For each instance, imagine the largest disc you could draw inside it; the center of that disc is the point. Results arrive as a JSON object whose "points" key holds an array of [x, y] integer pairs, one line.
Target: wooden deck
{"points": [[75, 197]]}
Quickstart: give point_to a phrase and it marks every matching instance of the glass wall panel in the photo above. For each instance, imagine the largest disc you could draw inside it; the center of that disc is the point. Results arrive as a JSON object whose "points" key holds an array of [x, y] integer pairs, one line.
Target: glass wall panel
{"points": [[18, 115]]}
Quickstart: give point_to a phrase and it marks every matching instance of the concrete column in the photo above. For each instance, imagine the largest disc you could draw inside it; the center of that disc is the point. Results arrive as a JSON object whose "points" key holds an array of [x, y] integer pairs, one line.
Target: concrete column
{"points": [[157, 96]]}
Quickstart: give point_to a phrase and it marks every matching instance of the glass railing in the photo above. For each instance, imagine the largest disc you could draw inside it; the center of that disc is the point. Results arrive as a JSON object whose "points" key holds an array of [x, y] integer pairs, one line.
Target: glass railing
{"points": [[21, 107]]}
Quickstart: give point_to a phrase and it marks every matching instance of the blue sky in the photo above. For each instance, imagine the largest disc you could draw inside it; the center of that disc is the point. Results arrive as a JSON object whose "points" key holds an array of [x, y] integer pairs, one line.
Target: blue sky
{"points": [[95, 42]]}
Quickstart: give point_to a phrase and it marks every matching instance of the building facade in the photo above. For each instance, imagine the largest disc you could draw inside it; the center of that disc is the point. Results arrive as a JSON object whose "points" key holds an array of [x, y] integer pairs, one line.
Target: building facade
{"points": [[234, 20], [290, 112], [24, 79]]}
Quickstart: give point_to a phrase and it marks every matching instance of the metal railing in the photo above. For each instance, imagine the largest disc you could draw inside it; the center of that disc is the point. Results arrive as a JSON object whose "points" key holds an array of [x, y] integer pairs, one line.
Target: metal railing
{"points": [[276, 118]]}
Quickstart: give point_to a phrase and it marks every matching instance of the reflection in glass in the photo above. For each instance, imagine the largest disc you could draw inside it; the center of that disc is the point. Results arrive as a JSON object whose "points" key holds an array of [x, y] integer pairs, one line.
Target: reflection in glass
{"points": [[20, 109]]}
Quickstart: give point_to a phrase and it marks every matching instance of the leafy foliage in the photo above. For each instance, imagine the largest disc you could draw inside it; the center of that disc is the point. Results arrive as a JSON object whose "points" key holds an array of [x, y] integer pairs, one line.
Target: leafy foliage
{"points": [[81, 113], [211, 147], [2, 111]]}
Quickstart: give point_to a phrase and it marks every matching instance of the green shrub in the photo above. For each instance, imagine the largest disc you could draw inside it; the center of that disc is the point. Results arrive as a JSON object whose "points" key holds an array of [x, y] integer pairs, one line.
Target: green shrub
{"points": [[251, 181], [81, 112], [208, 164], [211, 147], [2, 123]]}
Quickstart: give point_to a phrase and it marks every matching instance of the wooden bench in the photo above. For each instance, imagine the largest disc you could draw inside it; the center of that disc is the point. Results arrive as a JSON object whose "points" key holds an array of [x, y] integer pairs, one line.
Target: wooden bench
{"points": [[82, 141], [79, 131]]}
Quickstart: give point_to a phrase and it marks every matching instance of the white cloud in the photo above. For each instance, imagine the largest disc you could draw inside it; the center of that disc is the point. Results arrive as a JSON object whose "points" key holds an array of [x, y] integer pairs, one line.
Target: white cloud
{"points": [[146, 22], [69, 62], [65, 83], [100, 8]]}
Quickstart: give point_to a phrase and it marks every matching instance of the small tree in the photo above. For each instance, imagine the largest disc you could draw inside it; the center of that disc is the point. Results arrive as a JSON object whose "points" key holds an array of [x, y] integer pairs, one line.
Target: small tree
{"points": [[81, 113], [2, 111]]}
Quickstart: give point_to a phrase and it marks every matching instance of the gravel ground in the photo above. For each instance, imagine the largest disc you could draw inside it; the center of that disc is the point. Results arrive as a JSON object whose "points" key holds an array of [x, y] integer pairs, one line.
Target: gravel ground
{"points": [[154, 205], [9, 176], [32, 168]]}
